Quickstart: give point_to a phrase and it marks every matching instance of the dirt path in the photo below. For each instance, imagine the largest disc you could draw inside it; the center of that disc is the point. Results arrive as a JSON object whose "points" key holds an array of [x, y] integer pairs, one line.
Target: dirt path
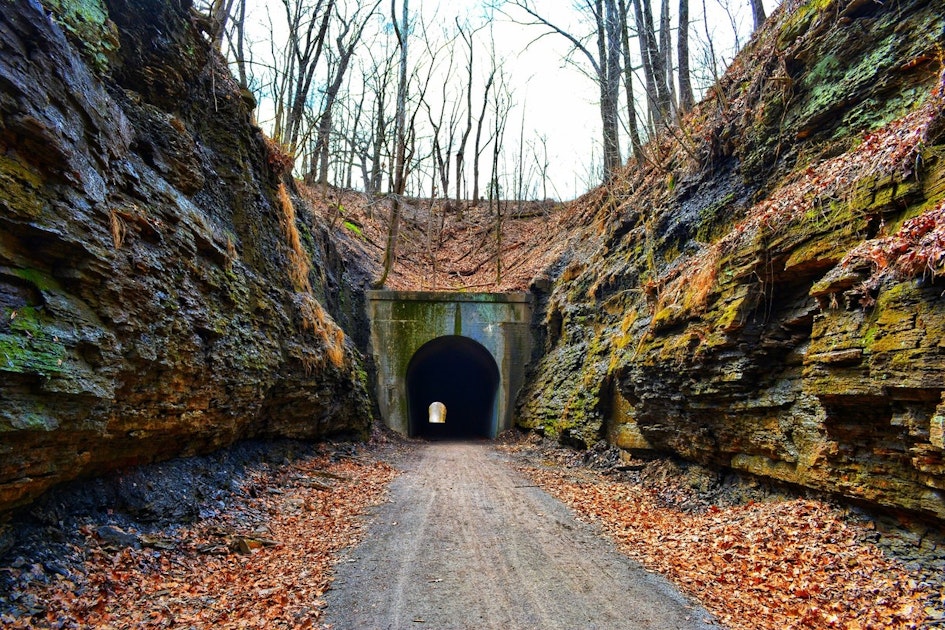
{"points": [[467, 542]]}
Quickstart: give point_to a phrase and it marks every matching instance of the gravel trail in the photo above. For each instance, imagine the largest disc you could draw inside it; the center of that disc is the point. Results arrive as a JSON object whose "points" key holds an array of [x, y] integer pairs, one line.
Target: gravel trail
{"points": [[465, 541]]}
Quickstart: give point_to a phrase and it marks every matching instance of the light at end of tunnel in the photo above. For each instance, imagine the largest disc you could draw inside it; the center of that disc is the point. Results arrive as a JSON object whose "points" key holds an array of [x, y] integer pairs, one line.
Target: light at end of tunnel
{"points": [[437, 413]]}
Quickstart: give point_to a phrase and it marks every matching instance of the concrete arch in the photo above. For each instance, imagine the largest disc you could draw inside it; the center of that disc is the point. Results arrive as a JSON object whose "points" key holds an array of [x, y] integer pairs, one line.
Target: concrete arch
{"points": [[404, 322], [460, 373]]}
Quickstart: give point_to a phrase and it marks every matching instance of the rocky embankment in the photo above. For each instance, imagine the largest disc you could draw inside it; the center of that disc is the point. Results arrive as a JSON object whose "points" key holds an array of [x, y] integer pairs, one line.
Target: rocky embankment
{"points": [[158, 294], [763, 292]]}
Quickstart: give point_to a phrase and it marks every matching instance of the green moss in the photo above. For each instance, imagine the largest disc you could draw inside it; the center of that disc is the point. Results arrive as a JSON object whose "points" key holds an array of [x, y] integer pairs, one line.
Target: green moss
{"points": [[30, 347], [715, 219], [39, 279], [36, 420], [19, 187], [87, 24], [800, 21]]}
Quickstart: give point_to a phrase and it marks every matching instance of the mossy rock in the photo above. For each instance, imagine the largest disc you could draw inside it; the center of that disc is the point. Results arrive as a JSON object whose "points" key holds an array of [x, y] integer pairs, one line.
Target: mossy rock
{"points": [[88, 26], [30, 347], [20, 187]]}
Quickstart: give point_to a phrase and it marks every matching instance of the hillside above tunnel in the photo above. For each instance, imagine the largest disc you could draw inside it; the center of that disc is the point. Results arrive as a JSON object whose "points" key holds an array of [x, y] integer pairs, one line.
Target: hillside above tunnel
{"points": [[763, 290]]}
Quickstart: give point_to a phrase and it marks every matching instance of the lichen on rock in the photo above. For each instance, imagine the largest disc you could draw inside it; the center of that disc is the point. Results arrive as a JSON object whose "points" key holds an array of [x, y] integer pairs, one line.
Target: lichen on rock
{"points": [[148, 302], [741, 317]]}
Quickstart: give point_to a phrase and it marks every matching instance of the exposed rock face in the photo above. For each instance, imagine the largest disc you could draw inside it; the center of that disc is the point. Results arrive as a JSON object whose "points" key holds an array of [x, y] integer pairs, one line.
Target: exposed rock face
{"points": [[157, 291], [765, 294]]}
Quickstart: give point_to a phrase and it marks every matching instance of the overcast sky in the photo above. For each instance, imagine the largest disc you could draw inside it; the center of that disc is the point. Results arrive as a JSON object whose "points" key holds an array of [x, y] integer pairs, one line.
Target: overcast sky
{"points": [[556, 98]]}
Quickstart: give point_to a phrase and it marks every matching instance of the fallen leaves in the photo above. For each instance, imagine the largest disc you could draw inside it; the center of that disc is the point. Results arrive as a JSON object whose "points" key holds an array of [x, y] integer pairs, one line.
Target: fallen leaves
{"points": [[264, 563], [779, 564], [445, 246], [917, 248]]}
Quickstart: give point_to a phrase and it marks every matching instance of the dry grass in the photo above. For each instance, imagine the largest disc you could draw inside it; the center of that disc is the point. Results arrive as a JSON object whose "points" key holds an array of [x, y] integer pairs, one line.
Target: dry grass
{"points": [[690, 289], [315, 319], [299, 264], [336, 347], [119, 228], [231, 253]]}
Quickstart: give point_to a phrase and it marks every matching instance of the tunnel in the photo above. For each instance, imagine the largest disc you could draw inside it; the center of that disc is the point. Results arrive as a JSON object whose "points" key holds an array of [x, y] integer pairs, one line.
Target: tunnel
{"points": [[460, 373]]}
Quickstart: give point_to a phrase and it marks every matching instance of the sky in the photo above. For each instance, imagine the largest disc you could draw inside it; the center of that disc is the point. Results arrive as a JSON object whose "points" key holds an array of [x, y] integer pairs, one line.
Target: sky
{"points": [[558, 101]]}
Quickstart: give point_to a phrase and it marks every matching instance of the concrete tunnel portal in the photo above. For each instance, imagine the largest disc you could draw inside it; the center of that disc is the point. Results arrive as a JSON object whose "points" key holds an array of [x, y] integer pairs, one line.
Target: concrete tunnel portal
{"points": [[468, 351], [460, 373]]}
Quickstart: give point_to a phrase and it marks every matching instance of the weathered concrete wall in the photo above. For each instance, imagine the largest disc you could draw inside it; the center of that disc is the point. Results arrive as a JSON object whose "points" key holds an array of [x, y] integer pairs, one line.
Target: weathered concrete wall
{"points": [[403, 321]]}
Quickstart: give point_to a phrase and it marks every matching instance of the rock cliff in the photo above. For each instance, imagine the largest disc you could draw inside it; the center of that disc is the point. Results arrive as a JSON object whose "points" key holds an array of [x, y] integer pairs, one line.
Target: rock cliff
{"points": [[763, 291], [158, 294]]}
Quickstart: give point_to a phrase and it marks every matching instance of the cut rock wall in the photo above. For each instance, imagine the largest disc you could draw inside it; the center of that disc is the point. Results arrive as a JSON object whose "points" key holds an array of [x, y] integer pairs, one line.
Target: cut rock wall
{"points": [[764, 294], [158, 294]]}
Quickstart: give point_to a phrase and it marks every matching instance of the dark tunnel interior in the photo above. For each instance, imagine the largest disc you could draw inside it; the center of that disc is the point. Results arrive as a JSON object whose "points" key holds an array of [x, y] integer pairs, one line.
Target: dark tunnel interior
{"points": [[460, 373]]}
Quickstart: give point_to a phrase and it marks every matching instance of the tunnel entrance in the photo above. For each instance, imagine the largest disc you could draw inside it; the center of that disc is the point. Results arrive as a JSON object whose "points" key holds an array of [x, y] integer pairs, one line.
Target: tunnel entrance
{"points": [[461, 374]]}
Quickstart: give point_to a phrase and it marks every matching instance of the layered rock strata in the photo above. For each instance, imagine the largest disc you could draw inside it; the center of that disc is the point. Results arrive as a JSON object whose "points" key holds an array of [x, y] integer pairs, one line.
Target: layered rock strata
{"points": [[763, 291], [158, 294]]}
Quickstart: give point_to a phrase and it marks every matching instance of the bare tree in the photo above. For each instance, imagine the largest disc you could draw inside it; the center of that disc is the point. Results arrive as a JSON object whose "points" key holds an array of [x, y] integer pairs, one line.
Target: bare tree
{"points": [[479, 145], [542, 161], [605, 65], [654, 70], [633, 130], [443, 127], [666, 55], [757, 13], [686, 99], [308, 27], [467, 34], [501, 104], [349, 37], [712, 58], [400, 140]]}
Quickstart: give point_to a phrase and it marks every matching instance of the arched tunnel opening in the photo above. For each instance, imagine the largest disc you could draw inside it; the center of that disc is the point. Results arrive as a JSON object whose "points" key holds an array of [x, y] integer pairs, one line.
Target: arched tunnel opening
{"points": [[460, 373]]}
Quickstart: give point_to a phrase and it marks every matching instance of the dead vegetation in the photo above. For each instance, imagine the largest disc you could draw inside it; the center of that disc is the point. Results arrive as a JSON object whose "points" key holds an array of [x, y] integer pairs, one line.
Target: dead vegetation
{"points": [[771, 562], [299, 265], [445, 246], [264, 562]]}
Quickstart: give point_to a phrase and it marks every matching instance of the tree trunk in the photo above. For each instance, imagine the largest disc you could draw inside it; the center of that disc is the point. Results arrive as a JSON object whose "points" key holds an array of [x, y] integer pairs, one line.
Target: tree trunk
{"points": [[635, 142], [307, 58], [464, 139], [611, 64], [686, 99], [649, 74], [758, 13], [482, 118], [666, 56], [220, 11], [400, 139]]}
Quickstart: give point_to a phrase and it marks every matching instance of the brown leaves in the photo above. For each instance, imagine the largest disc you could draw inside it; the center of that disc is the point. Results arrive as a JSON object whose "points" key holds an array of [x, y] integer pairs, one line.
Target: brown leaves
{"points": [[916, 249], [448, 246], [785, 564], [265, 563]]}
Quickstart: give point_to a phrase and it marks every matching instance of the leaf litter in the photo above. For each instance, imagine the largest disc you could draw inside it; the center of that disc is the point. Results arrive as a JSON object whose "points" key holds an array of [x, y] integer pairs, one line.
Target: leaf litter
{"points": [[265, 561], [774, 563]]}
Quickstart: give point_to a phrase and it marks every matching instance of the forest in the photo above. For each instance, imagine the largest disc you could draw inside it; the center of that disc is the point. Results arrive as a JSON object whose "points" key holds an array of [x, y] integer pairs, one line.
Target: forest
{"points": [[717, 402], [346, 87]]}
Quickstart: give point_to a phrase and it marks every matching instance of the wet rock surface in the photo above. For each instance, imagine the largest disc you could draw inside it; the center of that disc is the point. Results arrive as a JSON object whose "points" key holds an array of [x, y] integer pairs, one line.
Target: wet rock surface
{"points": [[159, 294], [733, 302]]}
